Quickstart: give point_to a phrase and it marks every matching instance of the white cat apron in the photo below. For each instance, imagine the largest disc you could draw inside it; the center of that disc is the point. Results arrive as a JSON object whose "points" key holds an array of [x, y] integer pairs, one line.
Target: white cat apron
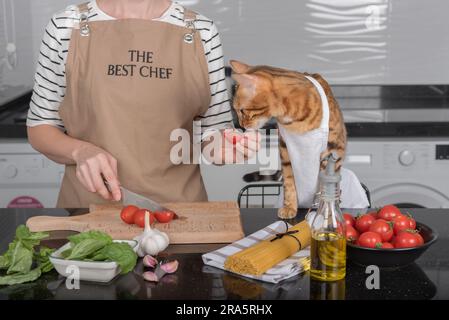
{"points": [[304, 151]]}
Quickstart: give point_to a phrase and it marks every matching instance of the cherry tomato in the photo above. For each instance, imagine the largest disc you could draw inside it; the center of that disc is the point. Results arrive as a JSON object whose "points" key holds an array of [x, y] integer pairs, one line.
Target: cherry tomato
{"points": [[401, 223], [383, 228], [127, 214], [373, 214], [351, 234], [363, 223], [369, 239], [408, 239], [164, 216], [233, 136], [385, 245], [349, 219], [389, 212], [139, 218], [411, 220]]}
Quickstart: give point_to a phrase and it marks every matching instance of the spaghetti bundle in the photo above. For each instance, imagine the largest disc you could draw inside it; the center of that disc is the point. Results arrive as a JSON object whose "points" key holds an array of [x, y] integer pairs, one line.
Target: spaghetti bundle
{"points": [[256, 260]]}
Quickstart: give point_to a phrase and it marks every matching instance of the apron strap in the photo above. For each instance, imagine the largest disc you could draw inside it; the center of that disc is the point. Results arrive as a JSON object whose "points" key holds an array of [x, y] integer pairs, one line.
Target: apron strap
{"points": [[189, 19], [84, 19], [324, 103]]}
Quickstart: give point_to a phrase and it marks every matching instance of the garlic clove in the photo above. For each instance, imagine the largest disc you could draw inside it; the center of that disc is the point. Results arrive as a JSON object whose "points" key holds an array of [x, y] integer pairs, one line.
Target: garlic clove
{"points": [[170, 267], [150, 276], [149, 261]]}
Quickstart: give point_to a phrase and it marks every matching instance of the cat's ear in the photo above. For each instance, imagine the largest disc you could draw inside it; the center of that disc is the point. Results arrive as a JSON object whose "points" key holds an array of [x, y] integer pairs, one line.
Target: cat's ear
{"points": [[247, 81], [239, 67]]}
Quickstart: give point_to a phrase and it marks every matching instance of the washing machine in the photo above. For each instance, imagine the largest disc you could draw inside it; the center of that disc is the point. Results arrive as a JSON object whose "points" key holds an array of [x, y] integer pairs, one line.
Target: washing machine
{"points": [[408, 172], [27, 178]]}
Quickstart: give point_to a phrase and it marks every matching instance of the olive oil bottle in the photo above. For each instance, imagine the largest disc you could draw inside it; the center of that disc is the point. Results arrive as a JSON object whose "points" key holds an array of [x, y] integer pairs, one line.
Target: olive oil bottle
{"points": [[328, 244]]}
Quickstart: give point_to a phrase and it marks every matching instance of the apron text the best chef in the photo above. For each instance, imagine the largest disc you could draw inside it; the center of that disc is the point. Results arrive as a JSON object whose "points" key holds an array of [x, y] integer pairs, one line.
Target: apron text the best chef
{"points": [[130, 83]]}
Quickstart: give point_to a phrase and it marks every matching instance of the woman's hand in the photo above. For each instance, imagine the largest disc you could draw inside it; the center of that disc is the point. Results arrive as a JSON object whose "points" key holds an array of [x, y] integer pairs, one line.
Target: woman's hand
{"points": [[92, 164], [231, 146]]}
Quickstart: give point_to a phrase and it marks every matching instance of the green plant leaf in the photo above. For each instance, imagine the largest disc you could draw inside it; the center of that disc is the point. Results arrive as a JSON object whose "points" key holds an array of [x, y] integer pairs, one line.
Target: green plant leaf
{"points": [[85, 248], [123, 254], [95, 235], [22, 260], [20, 278], [43, 259]]}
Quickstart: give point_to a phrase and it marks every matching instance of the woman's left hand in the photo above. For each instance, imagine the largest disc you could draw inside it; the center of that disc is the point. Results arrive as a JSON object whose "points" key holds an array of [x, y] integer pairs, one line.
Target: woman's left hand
{"points": [[231, 146]]}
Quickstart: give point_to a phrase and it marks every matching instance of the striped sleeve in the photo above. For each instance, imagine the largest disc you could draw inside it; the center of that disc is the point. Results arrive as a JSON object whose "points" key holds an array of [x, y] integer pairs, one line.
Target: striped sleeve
{"points": [[49, 81], [219, 115]]}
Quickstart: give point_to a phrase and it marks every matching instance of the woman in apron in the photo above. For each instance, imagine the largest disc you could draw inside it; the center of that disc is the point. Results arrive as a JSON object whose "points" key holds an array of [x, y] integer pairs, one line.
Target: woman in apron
{"points": [[106, 104]]}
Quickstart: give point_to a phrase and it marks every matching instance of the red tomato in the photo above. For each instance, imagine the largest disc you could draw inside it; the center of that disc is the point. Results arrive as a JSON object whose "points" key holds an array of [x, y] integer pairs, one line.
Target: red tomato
{"points": [[363, 223], [164, 216], [383, 228], [411, 220], [389, 212], [351, 234], [401, 223], [349, 219], [408, 239], [385, 245], [369, 239], [139, 218], [233, 136], [373, 214], [127, 214]]}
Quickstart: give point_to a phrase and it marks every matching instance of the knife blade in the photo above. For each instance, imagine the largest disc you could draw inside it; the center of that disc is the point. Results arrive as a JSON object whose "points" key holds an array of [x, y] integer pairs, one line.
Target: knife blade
{"points": [[132, 198]]}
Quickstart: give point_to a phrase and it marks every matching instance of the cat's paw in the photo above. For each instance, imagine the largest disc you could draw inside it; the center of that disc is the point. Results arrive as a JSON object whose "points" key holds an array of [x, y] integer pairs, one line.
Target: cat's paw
{"points": [[287, 213]]}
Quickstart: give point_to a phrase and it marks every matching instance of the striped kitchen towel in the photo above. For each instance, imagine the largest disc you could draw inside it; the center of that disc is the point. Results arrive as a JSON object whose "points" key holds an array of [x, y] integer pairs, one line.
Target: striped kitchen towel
{"points": [[290, 267]]}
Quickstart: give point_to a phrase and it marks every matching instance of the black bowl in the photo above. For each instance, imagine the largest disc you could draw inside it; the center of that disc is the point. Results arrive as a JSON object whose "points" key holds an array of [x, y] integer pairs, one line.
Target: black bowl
{"points": [[391, 258]]}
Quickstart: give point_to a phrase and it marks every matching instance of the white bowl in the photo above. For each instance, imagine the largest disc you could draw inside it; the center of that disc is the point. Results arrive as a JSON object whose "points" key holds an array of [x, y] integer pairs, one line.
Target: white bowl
{"points": [[96, 271]]}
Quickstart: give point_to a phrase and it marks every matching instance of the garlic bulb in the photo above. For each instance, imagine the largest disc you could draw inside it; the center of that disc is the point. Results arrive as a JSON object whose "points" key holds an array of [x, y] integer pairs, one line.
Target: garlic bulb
{"points": [[151, 241]]}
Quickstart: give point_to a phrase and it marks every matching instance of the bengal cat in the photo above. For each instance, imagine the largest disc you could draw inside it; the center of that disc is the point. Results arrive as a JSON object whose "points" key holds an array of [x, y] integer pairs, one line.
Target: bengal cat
{"points": [[264, 92]]}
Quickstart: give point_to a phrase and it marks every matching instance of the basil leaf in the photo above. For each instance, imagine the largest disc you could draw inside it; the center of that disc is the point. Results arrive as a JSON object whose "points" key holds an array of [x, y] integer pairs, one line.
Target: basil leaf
{"points": [[85, 248], [29, 239], [20, 278], [95, 235], [22, 259], [123, 254], [6, 258], [43, 259]]}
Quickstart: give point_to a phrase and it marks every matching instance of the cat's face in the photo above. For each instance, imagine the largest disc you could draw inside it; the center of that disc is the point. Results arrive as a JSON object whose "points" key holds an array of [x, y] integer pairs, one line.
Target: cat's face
{"points": [[253, 96]]}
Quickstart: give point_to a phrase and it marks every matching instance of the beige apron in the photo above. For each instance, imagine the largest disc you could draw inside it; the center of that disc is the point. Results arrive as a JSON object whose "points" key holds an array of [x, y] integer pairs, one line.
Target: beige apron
{"points": [[129, 84]]}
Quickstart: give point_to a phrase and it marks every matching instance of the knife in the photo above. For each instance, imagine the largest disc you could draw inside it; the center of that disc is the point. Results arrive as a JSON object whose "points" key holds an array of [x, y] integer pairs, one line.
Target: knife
{"points": [[132, 198]]}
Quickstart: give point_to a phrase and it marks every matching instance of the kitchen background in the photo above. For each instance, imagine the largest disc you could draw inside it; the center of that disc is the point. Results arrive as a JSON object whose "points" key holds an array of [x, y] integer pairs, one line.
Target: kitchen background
{"points": [[387, 61]]}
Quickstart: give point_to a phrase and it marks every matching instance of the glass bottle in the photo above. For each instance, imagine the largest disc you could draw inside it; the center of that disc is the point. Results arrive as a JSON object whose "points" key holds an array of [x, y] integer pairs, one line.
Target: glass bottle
{"points": [[328, 244]]}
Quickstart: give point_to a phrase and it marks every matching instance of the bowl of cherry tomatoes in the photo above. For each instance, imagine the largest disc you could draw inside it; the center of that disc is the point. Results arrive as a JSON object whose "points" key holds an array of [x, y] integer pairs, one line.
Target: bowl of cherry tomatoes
{"points": [[386, 238]]}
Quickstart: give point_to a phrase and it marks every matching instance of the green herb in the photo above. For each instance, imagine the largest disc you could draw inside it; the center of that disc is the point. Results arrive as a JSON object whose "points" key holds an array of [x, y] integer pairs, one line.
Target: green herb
{"points": [[22, 259], [20, 278], [95, 235], [20, 256], [123, 254], [43, 259], [85, 248]]}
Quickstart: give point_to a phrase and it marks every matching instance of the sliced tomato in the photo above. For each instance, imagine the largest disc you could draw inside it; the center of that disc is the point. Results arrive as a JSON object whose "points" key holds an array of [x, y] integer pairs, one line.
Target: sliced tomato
{"points": [[164, 216], [139, 217], [127, 214]]}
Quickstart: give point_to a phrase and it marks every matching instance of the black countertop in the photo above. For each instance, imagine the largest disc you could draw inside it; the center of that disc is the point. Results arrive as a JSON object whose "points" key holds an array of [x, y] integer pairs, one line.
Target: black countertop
{"points": [[428, 278]]}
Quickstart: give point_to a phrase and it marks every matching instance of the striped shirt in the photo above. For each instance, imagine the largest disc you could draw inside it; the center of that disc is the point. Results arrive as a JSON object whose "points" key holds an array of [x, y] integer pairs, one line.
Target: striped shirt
{"points": [[50, 81]]}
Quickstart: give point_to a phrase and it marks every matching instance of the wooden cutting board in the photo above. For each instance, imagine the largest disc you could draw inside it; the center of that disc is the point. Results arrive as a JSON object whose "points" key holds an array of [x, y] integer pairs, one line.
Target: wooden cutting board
{"points": [[202, 222]]}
